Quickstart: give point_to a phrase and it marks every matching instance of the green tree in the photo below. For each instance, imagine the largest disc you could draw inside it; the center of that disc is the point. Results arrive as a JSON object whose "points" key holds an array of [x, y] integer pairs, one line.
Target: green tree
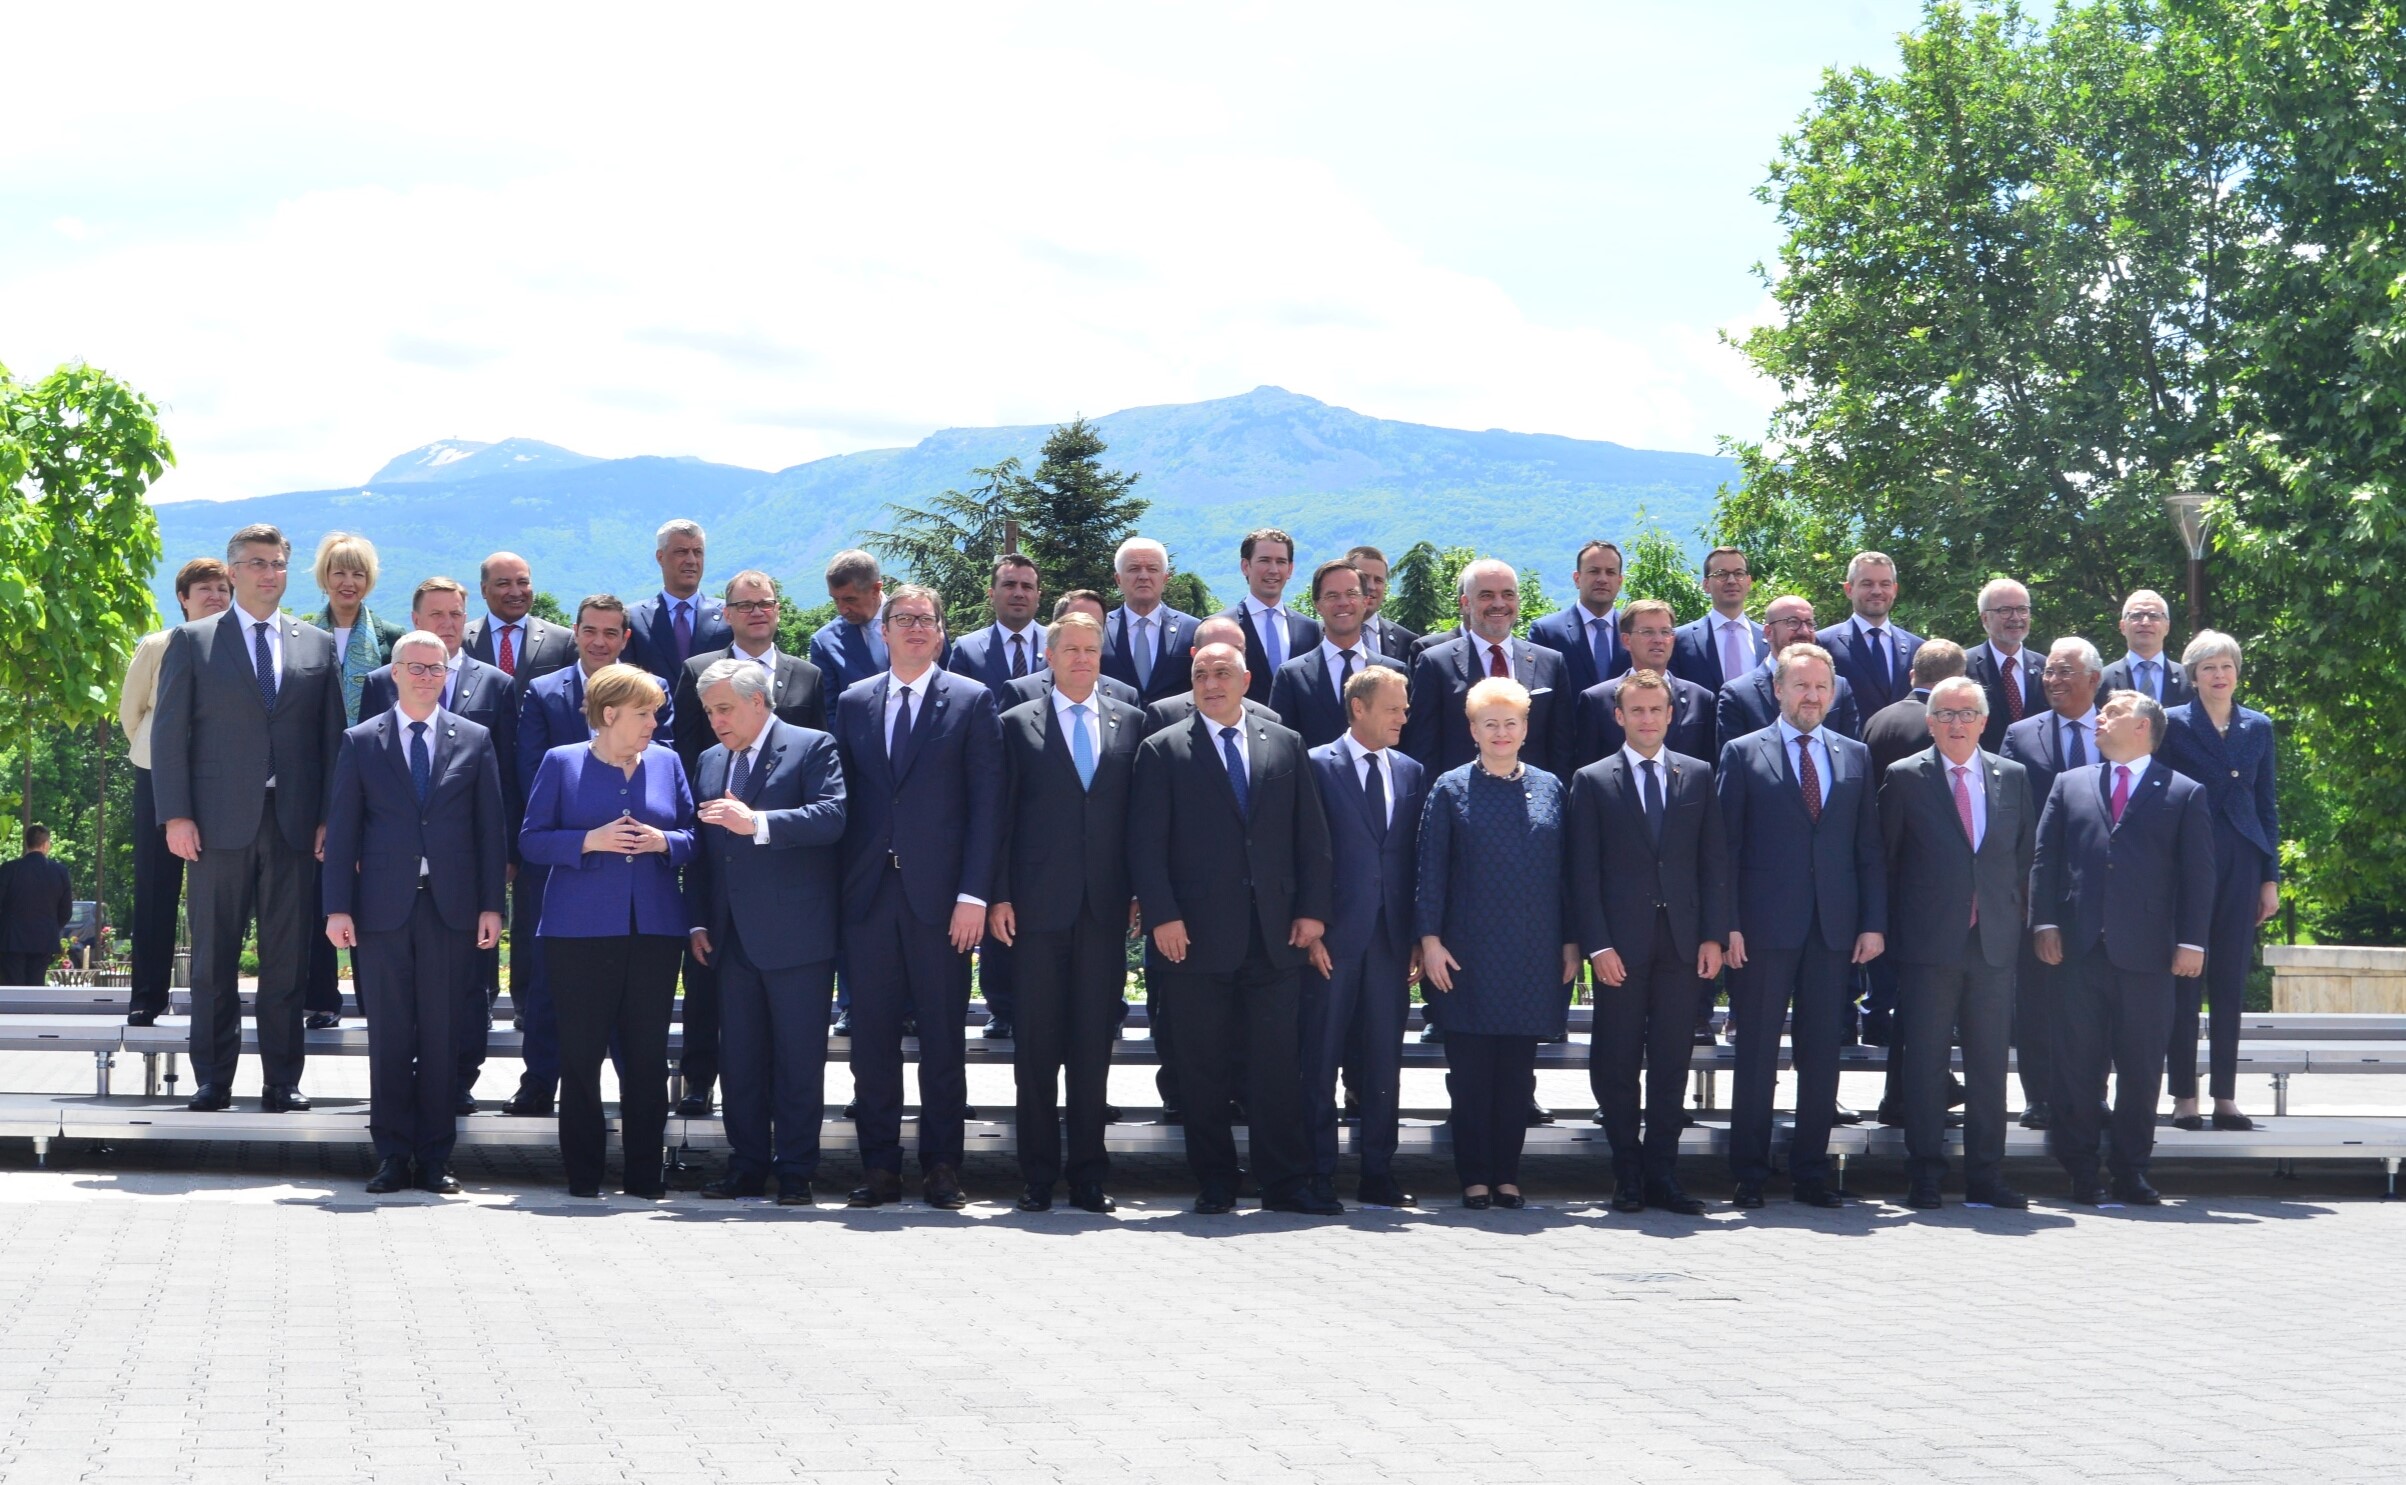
{"points": [[1073, 513], [951, 543], [549, 608], [1421, 592], [1659, 568], [1189, 594]]}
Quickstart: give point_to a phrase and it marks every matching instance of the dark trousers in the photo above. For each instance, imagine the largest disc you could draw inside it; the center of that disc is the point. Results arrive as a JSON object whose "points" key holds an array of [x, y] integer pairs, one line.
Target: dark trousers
{"points": [[323, 990], [26, 969], [698, 1064], [1971, 999], [1250, 1010], [1355, 1018], [224, 884], [620, 990], [411, 982], [469, 1022], [1157, 1025], [1069, 986], [158, 888], [2037, 1019], [899, 966], [1651, 1016], [1489, 1080], [530, 988], [997, 981], [775, 1022], [2230, 950], [1812, 984], [2117, 1017]]}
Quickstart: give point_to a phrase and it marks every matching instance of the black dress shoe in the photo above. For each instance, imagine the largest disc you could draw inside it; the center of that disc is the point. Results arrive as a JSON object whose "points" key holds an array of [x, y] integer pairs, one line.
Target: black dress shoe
{"points": [[694, 1106], [1704, 1036], [843, 1023], [1432, 1033], [1955, 1091], [1923, 1197], [1815, 1194], [392, 1175], [211, 1098], [465, 1103], [1478, 1203], [1841, 1114], [1748, 1197], [2004, 1198], [997, 1029], [1088, 1196], [877, 1188], [585, 1191], [2134, 1191], [283, 1101], [1382, 1191], [439, 1180], [1215, 1203], [1324, 1187], [2233, 1123], [1306, 1203], [1111, 1114], [2087, 1194], [142, 1018], [1891, 1115], [528, 1108], [796, 1195], [2038, 1116], [852, 1109], [2190, 1122], [1173, 1116], [1629, 1196], [648, 1192], [732, 1188], [1510, 1201], [321, 1020], [1539, 1114], [1665, 1196], [1037, 1198], [943, 1189]]}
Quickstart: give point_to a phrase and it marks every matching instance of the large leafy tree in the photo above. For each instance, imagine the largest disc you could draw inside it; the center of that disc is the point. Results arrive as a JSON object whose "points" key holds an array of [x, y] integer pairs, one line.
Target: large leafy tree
{"points": [[951, 542]]}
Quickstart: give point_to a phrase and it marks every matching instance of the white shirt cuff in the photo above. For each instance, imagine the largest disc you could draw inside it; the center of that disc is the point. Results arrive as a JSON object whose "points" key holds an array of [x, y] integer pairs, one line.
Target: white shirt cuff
{"points": [[972, 901], [760, 828]]}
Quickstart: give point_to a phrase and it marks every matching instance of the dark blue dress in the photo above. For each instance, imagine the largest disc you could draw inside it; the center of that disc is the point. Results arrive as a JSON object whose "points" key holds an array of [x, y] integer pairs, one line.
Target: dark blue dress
{"points": [[1491, 886]]}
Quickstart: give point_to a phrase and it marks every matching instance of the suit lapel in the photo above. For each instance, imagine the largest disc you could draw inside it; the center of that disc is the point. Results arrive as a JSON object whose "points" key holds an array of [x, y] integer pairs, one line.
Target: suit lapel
{"points": [[1206, 737], [874, 745], [933, 699], [396, 746], [1631, 794], [771, 746]]}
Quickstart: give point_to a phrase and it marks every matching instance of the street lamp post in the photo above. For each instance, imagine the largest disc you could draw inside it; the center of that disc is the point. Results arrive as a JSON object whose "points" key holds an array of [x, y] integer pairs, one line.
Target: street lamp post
{"points": [[2187, 508]]}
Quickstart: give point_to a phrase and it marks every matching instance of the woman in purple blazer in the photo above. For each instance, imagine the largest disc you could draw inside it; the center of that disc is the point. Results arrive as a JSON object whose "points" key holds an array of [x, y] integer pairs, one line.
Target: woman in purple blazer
{"points": [[613, 819]]}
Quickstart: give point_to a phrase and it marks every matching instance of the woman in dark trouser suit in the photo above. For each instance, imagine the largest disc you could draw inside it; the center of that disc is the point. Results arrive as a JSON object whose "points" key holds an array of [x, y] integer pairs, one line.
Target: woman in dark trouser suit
{"points": [[2228, 749], [613, 820], [1493, 940]]}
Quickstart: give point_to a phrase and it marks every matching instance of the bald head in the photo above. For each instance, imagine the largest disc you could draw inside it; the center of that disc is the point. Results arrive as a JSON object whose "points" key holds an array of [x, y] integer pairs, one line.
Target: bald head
{"points": [[1219, 629]]}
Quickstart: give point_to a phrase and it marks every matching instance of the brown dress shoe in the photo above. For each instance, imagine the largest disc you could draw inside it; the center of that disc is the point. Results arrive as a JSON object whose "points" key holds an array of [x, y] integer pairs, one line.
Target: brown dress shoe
{"points": [[944, 1189], [877, 1188]]}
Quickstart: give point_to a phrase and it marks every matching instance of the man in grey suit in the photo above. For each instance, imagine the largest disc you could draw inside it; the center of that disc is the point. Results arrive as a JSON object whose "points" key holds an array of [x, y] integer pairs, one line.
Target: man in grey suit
{"points": [[1957, 824], [509, 637], [2146, 619], [250, 714]]}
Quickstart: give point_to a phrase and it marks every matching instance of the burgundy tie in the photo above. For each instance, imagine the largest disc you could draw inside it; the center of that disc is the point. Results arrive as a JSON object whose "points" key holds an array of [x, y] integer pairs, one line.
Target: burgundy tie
{"points": [[2013, 689], [2121, 790], [1809, 777], [509, 656], [1495, 662], [1963, 812]]}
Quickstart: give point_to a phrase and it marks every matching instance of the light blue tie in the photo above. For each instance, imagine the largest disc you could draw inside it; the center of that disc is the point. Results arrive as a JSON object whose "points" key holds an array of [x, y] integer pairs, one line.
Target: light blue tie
{"points": [[1081, 747], [1273, 638]]}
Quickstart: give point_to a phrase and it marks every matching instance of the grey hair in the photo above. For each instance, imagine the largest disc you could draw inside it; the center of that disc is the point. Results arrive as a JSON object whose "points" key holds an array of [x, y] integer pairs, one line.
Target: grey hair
{"points": [[2210, 644], [1463, 583], [1962, 683], [420, 637], [852, 567], [1994, 585], [2150, 711], [746, 676], [1140, 544], [1861, 560], [2138, 593], [678, 527], [2090, 660]]}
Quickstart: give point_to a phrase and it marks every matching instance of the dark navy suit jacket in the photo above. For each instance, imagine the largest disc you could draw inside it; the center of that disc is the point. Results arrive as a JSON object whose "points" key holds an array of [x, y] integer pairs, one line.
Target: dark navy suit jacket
{"points": [[1565, 633], [1173, 667], [939, 820], [1693, 723], [2119, 676], [37, 897], [2236, 770], [837, 670], [1624, 882], [1695, 657], [1304, 694], [1980, 664], [1438, 731], [985, 657], [1872, 690], [1796, 874], [1302, 634], [2036, 743], [2143, 887], [483, 695], [1751, 703], [781, 896], [652, 634], [1373, 876], [377, 832]]}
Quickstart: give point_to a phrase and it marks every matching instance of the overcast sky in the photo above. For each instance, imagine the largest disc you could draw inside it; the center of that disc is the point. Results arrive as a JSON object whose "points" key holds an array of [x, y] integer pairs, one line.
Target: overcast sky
{"points": [[323, 236]]}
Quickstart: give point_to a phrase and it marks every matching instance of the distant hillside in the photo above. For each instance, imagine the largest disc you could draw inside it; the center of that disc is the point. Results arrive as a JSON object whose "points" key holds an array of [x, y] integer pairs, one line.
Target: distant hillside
{"points": [[1213, 470]]}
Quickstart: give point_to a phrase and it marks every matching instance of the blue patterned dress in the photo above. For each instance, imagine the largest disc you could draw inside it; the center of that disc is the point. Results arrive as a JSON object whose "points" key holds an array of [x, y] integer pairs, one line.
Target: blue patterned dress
{"points": [[1491, 886]]}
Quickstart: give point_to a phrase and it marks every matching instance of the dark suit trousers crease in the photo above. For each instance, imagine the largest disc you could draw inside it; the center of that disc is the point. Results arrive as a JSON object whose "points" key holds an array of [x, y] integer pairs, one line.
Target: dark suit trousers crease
{"points": [[775, 1062], [224, 883], [1157, 1025], [2037, 1022], [1250, 1012], [614, 989], [2118, 1018], [1069, 986], [1812, 984], [158, 886], [1489, 1081], [26, 969], [1650, 1016], [700, 1020], [324, 990], [2230, 950], [530, 988], [996, 980], [899, 966], [1939, 1002], [1355, 1020], [410, 980]]}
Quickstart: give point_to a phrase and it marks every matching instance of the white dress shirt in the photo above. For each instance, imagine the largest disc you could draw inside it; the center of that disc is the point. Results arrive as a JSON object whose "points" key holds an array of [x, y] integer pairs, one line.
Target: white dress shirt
{"points": [[1334, 654], [1363, 759], [1034, 637], [1093, 721], [1821, 753], [1975, 784], [1262, 613]]}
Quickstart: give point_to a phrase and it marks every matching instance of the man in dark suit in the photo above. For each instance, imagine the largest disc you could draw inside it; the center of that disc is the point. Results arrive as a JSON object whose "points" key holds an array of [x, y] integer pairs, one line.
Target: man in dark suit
{"points": [[1178, 710], [2121, 896], [1724, 644], [1902, 728], [1386, 636], [1649, 866], [1874, 656], [2145, 621], [1649, 631], [850, 648], [1309, 694], [1011, 647], [1146, 643], [1751, 703], [2003, 665], [923, 783], [1061, 898], [2060, 738], [763, 893], [37, 897], [1957, 823], [1437, 734], [1228, 849], [509, 637], [1357, 994], [250, 713], [417, 859], [1587, 635], [1038, 684], [1273, 636], [680, 621], [1812, 898]]}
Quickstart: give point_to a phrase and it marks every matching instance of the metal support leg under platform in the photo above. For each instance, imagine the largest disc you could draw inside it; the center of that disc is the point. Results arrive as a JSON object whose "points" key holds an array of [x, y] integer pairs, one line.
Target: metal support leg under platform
{"points": [[102, 1062], [2280, 1094]]}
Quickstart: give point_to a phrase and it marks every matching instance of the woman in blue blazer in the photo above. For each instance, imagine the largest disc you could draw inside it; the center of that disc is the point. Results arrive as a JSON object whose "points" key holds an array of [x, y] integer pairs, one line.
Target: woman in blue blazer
{"points": [[2227, 748], [613, 819]]}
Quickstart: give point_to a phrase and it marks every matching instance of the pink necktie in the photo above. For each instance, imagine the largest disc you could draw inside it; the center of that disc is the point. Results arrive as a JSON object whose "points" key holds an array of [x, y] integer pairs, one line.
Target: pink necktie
{"points": [[1733, 663], [2121, 790], [1963, 812]]}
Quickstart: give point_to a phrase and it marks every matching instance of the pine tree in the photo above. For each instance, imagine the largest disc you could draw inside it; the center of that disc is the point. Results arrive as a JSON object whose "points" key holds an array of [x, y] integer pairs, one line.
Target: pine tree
{"points": [[1073, 513]]}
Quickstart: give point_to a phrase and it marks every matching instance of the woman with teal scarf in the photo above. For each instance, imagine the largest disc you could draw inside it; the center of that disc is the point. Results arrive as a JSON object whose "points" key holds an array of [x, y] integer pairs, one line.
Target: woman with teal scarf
{"points": [[346, 574]]}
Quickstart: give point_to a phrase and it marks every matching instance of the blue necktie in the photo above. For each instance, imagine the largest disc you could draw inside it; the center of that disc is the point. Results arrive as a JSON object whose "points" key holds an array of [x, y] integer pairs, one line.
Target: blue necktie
{"points": [[1273, 638], [421, 764], [1653, 800], [1081, 747], [2147, 680], [2074, 755], [1236, 772], [1140, 649], [1599, 644], [898, 745], [1881, 666], [740, 775], [264, 660], [1374, 789], [684, 629]]}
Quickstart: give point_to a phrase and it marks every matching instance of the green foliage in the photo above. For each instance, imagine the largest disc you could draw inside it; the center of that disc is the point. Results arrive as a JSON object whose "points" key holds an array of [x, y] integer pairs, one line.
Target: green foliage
{"points": [[1658, 567], [1189, 594], [1424, 588], [950, 544], [67, 768], [548, 608], [795, 626]]}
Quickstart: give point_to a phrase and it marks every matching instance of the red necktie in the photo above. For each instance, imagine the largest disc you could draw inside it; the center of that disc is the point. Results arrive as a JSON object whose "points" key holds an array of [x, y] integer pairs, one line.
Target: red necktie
{"points": [[2013, 690], [1495, 662], [1963, 812], [1809, 777], [2121, 790], [509, 656]]}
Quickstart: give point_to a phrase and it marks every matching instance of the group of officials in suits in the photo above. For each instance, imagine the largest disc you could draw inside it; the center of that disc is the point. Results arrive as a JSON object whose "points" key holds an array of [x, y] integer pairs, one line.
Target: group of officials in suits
{"points": [[1242, 790]]}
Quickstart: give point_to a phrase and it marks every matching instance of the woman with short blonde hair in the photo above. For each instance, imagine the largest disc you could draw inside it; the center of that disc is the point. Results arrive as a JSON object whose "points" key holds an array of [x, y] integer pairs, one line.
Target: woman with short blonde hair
{"points": [[346, 573]]}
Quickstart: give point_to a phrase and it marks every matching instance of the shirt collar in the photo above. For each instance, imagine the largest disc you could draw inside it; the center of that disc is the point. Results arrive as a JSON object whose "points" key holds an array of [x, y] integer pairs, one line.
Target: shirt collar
{"points": [[1033, 634], [2137, 767], [495, 622], [1865, 626], [669, 602], [1336, 652], [1093, 702], [1257, 608], [1636, 759], [1788, 734], [2087, 721], [452, 661]]}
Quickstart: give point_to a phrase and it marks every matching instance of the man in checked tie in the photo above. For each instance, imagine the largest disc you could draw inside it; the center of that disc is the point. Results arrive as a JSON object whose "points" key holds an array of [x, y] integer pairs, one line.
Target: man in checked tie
{"points": [[417, 853]]}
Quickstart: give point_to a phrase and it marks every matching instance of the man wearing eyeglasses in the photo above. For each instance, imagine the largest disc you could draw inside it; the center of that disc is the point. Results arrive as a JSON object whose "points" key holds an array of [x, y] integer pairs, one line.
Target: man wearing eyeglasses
{"points": [[1724, 644], [1750, 703], [2004, 666], [250, 714], [2146, 621]]}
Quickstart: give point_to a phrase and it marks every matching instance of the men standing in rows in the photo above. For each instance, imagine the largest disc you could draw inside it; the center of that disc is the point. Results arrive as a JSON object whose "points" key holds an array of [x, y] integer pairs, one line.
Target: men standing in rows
{"points": [[1437, 733], [1803, 825], [1228, 849], [1039, 683], [37, 897], [417, 859], [509, 637], [1174, 711], [1273, 636], [1309, 693], [202, 589], [852, 648], [1012, 647], [1146, 643], [1587, 635], [1357, 993], [1650, 905], [2001, 666], [1724, 644], [1386, 636], [2121, 897], [1902, 728], [923, 780], [1061, 899], [1650, 633], [2059, 739], [762, 891], [1751, 702], [1872, 654], [677, 623], [250, 713], [2146, 620], [1957, 822], [797, 692]]}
